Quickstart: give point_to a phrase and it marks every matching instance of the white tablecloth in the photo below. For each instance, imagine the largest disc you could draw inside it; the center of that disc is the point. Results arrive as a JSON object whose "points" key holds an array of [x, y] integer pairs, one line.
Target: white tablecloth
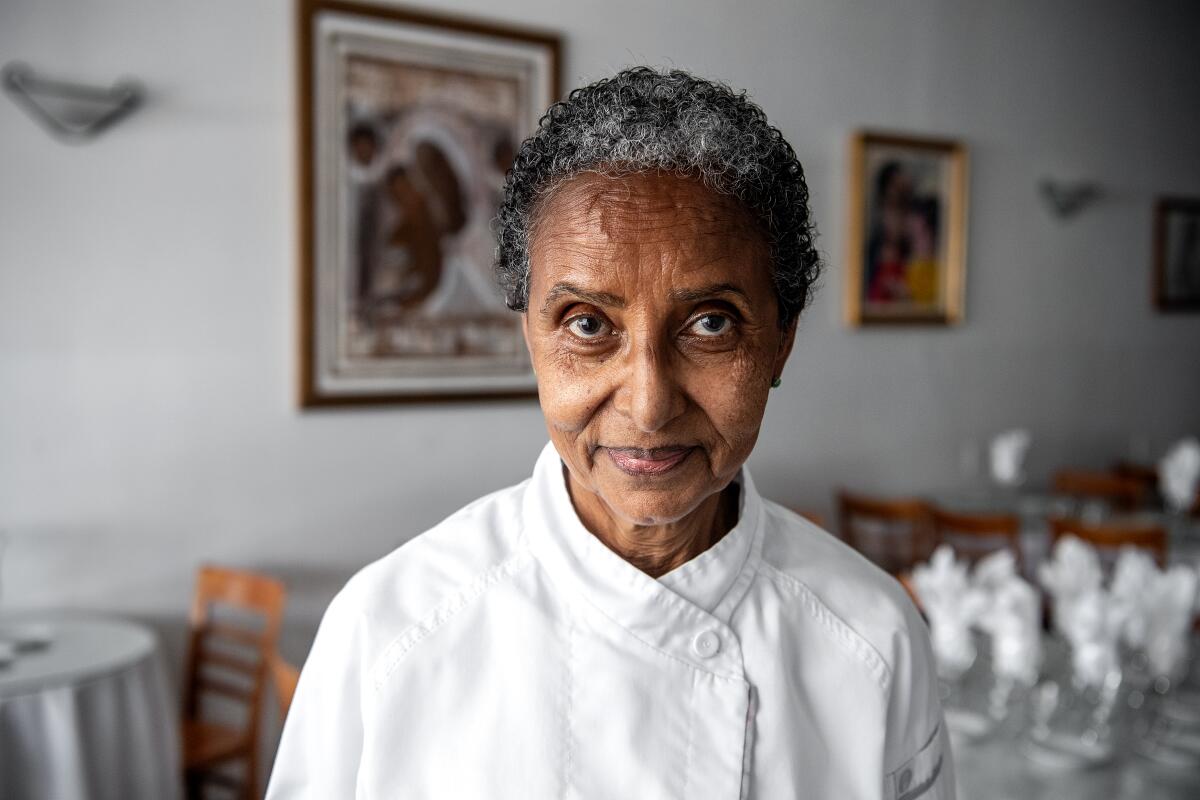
{"points": [[89, 716]]}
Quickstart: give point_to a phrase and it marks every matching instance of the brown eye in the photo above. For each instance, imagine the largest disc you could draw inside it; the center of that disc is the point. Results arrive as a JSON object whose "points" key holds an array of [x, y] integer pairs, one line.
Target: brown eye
{"points": [[587, 326], [711, 325]]}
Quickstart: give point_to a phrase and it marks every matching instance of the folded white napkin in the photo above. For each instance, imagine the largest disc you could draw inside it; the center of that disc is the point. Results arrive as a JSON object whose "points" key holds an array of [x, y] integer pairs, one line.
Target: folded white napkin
{"points": [[994, 570], [1093, 630], [1178, 473], [952, 606], [1134, 575], [1072, 571], [1007, 456], [1013, 620], [1090, 617], [1170, 607]]}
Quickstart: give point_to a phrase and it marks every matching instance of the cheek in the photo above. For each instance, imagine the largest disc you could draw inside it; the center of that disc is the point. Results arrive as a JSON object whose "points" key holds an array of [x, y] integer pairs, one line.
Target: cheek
{"points": [[734, 400], [569, 396]]}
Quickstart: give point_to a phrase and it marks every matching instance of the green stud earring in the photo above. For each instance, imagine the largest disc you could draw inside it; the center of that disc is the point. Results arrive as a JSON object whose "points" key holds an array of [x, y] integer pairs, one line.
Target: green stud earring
{"points": [[776, 383]]}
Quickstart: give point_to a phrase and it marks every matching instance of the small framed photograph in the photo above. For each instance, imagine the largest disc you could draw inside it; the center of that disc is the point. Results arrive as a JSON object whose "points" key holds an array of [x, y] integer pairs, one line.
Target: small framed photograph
{"points": [[408, 124], [1177, 254], [906, 248]]}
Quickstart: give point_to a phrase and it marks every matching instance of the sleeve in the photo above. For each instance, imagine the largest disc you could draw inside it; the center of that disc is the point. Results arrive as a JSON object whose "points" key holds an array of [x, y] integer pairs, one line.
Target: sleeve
{"points": [[322, 739], [918, 761]]}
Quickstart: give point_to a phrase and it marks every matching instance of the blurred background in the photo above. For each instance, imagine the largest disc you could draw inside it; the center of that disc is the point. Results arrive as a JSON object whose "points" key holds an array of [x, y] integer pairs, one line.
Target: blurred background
{"points": [[148, 283]]}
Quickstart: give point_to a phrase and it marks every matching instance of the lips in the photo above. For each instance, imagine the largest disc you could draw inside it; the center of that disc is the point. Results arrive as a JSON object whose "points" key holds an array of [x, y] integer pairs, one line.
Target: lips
{"points": [[655, 461]]}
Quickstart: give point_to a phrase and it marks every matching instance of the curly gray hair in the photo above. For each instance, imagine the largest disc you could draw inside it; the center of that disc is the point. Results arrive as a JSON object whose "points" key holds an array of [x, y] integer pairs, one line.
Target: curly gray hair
{"points": [[641, 120]]}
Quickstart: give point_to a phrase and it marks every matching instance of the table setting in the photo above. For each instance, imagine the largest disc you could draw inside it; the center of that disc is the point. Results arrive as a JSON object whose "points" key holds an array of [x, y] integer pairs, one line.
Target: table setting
{"points": [[1105, 703], [1070, 672], [85, 708]]}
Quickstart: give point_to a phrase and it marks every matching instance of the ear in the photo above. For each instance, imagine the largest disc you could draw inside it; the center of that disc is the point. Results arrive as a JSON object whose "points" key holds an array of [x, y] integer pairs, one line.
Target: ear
{"points": [[787, 338]]}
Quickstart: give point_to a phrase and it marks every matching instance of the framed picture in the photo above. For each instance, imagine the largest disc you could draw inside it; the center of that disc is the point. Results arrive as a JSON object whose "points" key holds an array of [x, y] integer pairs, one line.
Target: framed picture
{"points": [[1177, 254], [906, 249], [408, 123]]}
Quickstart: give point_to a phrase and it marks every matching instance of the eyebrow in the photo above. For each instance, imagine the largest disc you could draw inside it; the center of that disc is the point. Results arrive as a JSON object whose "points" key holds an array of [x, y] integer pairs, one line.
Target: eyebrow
{"points": [[595, 298], [704, 292], [616, 301]]}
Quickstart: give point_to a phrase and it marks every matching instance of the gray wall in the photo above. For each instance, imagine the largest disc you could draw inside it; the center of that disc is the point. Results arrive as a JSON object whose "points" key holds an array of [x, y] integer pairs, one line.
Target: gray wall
{"points": [[147, 281]]}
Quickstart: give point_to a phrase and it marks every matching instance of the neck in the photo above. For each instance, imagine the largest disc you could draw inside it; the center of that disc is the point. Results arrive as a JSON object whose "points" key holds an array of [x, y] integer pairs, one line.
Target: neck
{"points": [[657, 549]]}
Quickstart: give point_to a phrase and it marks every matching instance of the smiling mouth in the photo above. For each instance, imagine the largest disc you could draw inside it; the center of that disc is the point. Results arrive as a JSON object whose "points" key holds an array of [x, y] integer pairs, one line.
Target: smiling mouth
{"points": [[656, 461]]}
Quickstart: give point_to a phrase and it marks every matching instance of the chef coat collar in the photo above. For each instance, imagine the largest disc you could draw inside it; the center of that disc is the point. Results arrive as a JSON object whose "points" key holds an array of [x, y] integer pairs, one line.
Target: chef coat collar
{"points": [[694, 600]]}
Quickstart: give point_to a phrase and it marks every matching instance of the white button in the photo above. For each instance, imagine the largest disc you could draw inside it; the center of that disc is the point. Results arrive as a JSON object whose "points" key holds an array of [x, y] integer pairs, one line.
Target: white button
{"points": [[706, 644]]}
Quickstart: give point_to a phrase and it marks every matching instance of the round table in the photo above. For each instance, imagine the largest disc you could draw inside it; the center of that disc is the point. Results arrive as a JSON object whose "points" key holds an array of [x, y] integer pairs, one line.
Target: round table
{"points": [[996, 770], [86, 714]]}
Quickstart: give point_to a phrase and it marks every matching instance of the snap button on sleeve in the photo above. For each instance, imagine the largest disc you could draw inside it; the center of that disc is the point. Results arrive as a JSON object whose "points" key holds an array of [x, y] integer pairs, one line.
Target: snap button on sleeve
{"points": [[706, 644]]}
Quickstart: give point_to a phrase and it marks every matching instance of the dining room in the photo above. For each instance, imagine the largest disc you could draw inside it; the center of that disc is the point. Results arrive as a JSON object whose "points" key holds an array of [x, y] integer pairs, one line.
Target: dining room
{"points": [[291, 291]]}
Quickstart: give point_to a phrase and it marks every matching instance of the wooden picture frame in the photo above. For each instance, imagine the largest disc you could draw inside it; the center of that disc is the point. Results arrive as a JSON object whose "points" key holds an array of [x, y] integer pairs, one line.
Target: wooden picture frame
{"points": [[407, 124], [907, 234], [1176, 268]]}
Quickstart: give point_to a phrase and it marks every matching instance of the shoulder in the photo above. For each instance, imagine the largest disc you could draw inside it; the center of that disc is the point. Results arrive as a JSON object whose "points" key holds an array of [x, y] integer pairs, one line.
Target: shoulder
{"points": [[858, 604], [449, 565]]}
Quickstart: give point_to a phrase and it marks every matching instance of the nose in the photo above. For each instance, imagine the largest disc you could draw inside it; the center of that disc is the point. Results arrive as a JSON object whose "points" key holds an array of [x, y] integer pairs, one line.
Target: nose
{"points": [[650, 394]]}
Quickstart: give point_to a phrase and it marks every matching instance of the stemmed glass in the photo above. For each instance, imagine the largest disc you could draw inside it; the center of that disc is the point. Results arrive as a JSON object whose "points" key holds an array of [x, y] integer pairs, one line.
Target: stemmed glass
{"points": [[1073, 725], [1166, 720]]}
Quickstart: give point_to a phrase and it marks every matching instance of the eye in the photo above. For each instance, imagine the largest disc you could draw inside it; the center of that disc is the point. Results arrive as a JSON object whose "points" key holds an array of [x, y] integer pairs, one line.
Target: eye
{"points": [[711, 325], [587, 326]]}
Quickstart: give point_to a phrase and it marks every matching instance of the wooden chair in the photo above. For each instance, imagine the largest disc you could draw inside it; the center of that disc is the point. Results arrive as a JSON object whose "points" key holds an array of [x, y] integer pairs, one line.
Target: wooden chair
{"points": [[1144, 474], [1124, 493], [1147, 476], [1111, 537], [895, 534], [975, 535], [285, 677], [227, 664]]}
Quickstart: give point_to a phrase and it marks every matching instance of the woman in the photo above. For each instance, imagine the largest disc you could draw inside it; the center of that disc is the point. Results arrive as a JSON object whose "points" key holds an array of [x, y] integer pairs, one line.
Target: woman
{"points": [[634, 621]]}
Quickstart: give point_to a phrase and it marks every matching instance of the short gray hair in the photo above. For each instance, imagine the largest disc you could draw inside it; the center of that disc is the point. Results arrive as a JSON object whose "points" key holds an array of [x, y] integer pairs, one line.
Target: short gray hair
{"points": [[644, 120]]}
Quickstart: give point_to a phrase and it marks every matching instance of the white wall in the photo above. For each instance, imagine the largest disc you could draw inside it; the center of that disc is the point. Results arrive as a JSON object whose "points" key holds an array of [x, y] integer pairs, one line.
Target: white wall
{"points": [[147, 281]]}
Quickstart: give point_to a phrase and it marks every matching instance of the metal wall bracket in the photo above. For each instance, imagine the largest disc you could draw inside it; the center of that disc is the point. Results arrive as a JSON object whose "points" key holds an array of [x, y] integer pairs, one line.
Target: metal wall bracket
{"points": [[71, 111], [1065, 200]]}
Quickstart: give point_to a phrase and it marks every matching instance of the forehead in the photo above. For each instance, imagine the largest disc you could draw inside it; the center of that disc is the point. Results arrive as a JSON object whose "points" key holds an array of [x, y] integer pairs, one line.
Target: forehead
{"points": [[626, 208], [647, 222]]}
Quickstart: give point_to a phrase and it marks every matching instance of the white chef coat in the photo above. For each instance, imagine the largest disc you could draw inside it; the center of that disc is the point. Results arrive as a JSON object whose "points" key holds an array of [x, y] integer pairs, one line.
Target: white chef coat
{"points": [[507, 653]]}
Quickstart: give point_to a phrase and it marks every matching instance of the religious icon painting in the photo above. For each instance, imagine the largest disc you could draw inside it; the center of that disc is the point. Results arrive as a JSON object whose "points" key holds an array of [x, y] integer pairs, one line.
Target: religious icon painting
{"points": [[906, 249], [408, 125], [1177, 254]]}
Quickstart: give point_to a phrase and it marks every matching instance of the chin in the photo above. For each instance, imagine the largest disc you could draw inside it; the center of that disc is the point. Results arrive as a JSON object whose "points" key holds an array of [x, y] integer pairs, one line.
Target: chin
{"points": [[651, 506]]}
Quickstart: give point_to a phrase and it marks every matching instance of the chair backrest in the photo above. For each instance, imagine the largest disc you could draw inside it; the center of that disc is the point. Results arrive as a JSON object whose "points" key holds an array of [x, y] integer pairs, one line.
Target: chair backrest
{"points": [[1113, 536], [894, 533], [235, 619], [975, 535], [1145, 474], [285, 677], [1121, 491]]}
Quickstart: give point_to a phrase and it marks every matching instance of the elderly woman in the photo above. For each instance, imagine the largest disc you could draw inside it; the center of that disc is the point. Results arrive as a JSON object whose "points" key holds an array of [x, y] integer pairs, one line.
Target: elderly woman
{"points": [[634, 620]]}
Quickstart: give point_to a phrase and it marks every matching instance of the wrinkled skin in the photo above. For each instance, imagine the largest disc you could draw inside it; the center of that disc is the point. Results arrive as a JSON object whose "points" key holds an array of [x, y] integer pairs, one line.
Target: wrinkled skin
{"points": [[652, 323]]}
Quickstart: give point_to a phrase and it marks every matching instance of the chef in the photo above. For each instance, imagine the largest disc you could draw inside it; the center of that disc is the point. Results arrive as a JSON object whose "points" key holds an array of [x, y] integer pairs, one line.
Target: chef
{"points": [[634, 620]]}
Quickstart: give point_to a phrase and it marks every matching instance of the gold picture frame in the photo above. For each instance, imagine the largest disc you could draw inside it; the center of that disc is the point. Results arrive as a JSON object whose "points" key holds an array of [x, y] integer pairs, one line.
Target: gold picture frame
{"points": [[907, 234], [407, 124]]}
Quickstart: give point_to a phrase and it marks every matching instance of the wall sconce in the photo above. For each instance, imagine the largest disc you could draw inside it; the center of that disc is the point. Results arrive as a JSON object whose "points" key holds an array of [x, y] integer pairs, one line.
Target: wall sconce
{"points": [[71, 111], [1065, 200]]}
